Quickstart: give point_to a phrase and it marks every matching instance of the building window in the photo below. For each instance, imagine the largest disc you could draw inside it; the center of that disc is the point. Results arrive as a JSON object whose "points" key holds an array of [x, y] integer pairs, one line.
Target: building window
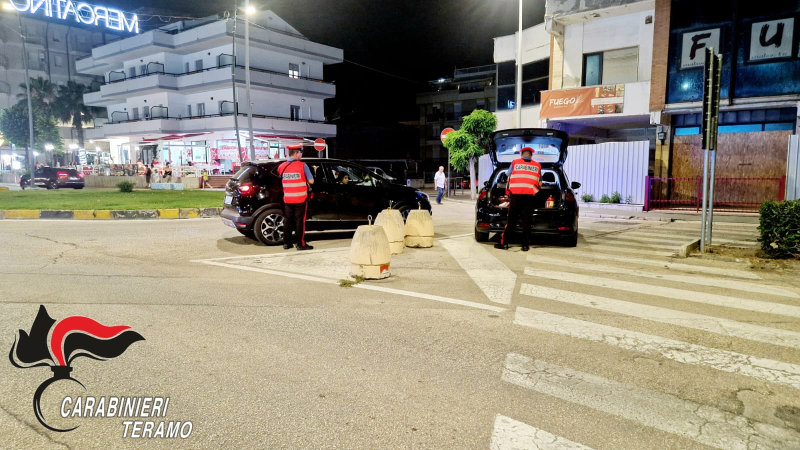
{"points": [[59, 61], [198, 65], [143, 69], [135, 112], [186, 67], [5, 88], [294, 112], [201, 109], [294, 71], [188, 110], [742, 121], [132, 72], [611, 67]]}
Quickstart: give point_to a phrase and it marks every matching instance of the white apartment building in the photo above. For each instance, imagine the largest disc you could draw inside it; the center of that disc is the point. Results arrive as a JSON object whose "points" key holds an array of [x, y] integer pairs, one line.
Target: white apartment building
{"points": [[169, 91], [535, 75]]}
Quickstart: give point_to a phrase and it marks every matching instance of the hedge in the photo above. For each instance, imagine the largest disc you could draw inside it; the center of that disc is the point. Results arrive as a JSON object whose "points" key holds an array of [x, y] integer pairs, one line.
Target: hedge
{"points": [[780, 229]]}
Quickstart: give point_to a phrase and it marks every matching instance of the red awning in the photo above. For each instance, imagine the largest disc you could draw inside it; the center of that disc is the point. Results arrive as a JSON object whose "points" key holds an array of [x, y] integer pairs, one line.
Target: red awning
{"points": [[172, 137]]}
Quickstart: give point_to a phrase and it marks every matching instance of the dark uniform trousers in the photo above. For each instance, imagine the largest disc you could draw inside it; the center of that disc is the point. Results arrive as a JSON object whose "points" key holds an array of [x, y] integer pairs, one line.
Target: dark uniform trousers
{"points": [[294, 220], [520, 205]]}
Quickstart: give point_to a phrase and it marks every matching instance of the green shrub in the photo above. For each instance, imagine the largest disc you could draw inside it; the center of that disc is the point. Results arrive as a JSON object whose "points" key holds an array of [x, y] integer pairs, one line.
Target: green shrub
{"points": [[780, 229], [629, 200], [605, 199], [125, 186], [587, 198], [616, 197]]}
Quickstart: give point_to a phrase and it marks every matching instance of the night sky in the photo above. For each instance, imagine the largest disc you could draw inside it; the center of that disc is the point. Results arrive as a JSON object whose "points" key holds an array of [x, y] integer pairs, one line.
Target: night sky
{"points": [[416, 40]]}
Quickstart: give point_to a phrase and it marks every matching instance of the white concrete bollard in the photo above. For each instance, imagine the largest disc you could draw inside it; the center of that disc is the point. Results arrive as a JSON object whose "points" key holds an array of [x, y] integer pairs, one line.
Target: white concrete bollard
{"points": [[370, 254], [392, 222], [419, 229]]}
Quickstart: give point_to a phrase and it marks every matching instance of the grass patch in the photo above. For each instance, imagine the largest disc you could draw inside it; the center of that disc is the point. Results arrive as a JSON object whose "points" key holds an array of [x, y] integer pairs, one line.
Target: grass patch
{"points": [[350, 283], [108, 199]]}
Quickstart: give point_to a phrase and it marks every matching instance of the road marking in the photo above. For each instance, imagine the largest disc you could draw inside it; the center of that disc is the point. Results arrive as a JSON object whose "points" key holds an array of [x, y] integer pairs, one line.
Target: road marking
{"points": [[636, 238], [695, 232], [614, 249], [700, 423], [671, 293], [699, 280], [492, 276], [416, 295], [666, 264], [510, 434], [710, 324], [275, 255], [678, 238], [598, 240], [726, 361]]}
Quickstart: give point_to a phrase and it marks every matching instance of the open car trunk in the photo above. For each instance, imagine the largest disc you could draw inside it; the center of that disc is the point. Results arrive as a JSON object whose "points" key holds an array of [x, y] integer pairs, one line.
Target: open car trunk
{"points": [[549, 186]]}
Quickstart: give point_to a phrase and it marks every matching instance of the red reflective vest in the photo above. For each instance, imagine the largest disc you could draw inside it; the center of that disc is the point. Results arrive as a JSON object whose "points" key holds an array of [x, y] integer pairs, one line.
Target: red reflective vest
{"points": [[524, 177], [293, 176]]}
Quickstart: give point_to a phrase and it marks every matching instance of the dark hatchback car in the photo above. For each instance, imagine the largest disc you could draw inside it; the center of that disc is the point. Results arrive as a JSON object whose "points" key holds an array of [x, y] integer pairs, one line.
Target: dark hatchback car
{"points": [[58, 177], [558, 219], [344, 196]]}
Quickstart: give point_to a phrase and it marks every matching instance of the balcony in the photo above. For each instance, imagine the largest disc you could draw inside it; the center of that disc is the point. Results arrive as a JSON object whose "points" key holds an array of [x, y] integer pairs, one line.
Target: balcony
{"points": [[209, 123], [208, 35], [203, 80]]}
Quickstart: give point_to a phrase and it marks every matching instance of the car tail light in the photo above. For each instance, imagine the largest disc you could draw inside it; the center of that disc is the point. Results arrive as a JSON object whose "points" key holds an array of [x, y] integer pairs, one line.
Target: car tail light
{"points": [[564, 228], [483, 225], [80, 175], [482, 195], [570, 197], [247, 189], [62, 174]]}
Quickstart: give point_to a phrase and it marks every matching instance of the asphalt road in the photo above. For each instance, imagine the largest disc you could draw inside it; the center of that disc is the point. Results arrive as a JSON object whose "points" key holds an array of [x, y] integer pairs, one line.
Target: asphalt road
{"points": [[613, 345]]}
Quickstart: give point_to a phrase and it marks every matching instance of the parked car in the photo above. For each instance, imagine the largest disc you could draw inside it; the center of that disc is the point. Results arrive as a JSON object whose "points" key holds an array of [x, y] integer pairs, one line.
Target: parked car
{"points": [[345, 194], [550, 146], [389, 177], [58, 177]]}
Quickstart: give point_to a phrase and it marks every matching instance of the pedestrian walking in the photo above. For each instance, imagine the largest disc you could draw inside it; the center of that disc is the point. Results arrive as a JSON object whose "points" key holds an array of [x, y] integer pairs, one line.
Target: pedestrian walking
{"points": [[297, 179], [148, 172], [205, 179], [521, 187], [440, 180]]}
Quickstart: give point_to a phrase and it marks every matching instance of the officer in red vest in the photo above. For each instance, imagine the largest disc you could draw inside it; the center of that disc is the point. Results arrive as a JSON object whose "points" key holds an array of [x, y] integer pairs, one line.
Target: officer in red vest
{"points": [[522, 187], [296, 178]]}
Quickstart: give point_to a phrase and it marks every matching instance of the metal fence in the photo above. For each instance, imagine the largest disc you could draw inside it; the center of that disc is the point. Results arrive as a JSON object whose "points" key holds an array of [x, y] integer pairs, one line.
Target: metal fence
{"points": [[730, 194], [609, 167]]}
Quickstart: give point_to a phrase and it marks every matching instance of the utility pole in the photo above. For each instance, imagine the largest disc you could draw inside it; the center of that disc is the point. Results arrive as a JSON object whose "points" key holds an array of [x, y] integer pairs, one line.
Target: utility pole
{"points": [[233, 82], [519, 70], [247, 11], [711, 87]]}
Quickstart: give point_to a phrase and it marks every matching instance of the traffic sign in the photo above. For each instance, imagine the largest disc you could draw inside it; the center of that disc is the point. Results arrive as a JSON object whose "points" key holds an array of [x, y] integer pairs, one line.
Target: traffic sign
{"points": [[319, 145], [445, 132], [711, 86]]}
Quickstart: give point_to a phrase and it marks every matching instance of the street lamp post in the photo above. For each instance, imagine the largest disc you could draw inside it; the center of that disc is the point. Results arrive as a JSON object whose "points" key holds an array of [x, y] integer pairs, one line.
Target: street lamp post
{"points": [[519, 70], [248, 10], [233, 83], [29, 153]]}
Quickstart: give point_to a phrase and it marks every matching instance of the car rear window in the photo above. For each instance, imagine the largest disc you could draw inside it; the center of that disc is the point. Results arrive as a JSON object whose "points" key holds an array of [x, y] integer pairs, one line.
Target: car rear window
{"points": [[545, 149], [245, 174]]}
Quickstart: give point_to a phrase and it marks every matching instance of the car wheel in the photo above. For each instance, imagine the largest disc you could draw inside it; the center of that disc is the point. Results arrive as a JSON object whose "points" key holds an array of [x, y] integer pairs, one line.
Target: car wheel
{"points": [[248, 233], [480, 236], [571, 240], [53, 185], [269, 227], [404, 212]]}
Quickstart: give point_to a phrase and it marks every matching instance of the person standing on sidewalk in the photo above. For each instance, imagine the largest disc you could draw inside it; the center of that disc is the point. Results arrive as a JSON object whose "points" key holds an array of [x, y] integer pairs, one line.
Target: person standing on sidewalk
{"points": [[522, 186], [440, 180], [297, 179]]}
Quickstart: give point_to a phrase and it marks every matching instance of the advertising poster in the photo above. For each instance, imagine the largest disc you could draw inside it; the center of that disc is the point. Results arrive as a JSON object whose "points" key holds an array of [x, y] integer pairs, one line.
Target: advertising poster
{"points": [[587, 101]]}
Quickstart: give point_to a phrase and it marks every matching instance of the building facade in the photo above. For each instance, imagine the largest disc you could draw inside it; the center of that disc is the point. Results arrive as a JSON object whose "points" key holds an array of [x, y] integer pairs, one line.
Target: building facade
{"points": [[760, 87], [447, 103], [170, 96], [53, 47], [535, 76]]}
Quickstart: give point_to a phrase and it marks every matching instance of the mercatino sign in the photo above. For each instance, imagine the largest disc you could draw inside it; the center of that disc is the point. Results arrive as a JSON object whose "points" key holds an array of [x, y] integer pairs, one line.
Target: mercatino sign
{"points": [[80, 12]]}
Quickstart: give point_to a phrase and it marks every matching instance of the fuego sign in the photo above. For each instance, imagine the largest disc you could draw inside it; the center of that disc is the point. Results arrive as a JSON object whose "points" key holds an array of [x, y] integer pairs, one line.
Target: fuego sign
{"points": [[81, 12]]}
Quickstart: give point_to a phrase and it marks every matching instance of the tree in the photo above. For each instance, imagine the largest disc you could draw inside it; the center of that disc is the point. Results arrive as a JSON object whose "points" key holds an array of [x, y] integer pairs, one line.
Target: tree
{"points": [[471, 141], [14, 126], [43, 94], [69, 107]]}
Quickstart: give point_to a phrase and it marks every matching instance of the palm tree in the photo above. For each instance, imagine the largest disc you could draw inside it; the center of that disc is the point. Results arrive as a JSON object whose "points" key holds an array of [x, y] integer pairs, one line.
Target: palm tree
{"points": [[43, 94], [69, 107]]}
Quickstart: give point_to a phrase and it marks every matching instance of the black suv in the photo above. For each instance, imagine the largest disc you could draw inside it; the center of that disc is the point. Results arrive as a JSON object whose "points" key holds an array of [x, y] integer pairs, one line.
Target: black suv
{"points": [[58, 177], [344, 195], [557, 218]]}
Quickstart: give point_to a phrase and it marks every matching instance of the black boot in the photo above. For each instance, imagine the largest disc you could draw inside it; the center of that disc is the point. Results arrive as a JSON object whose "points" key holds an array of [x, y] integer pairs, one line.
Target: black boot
{"points": [[305, 247], [287, 245], [500, 246], [525, 248]]}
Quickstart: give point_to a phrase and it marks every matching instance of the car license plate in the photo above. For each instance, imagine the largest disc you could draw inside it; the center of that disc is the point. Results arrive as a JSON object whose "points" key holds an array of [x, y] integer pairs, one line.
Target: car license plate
{"points": [[228, 222], [73, 178], [228, 199]]}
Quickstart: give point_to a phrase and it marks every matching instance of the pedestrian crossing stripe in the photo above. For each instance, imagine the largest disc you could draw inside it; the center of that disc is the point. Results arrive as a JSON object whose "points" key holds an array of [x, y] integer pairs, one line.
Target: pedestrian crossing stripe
{"points": [[677, 238], [694, 321], [762, 369], [700, 423], [671, 293], [635, 251], [510, 434], [690, 279], [598, 240], [695, 232], [665, 264], [672, 240]]}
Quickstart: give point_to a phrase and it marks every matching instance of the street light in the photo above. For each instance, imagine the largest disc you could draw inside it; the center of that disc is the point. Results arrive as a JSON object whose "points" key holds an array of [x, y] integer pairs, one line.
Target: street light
{"points": [[519, 70], [9, 7], [49, 147], [249, 10]]}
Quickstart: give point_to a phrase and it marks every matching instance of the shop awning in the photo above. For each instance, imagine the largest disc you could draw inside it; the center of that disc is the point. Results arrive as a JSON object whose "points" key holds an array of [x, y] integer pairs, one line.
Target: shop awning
{"points": [[173, 137]]}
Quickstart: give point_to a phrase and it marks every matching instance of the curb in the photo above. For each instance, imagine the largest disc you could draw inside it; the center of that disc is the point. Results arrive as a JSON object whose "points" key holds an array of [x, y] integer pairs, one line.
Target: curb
{"points": [[106, 214], [688, 248], [626, 217]]}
